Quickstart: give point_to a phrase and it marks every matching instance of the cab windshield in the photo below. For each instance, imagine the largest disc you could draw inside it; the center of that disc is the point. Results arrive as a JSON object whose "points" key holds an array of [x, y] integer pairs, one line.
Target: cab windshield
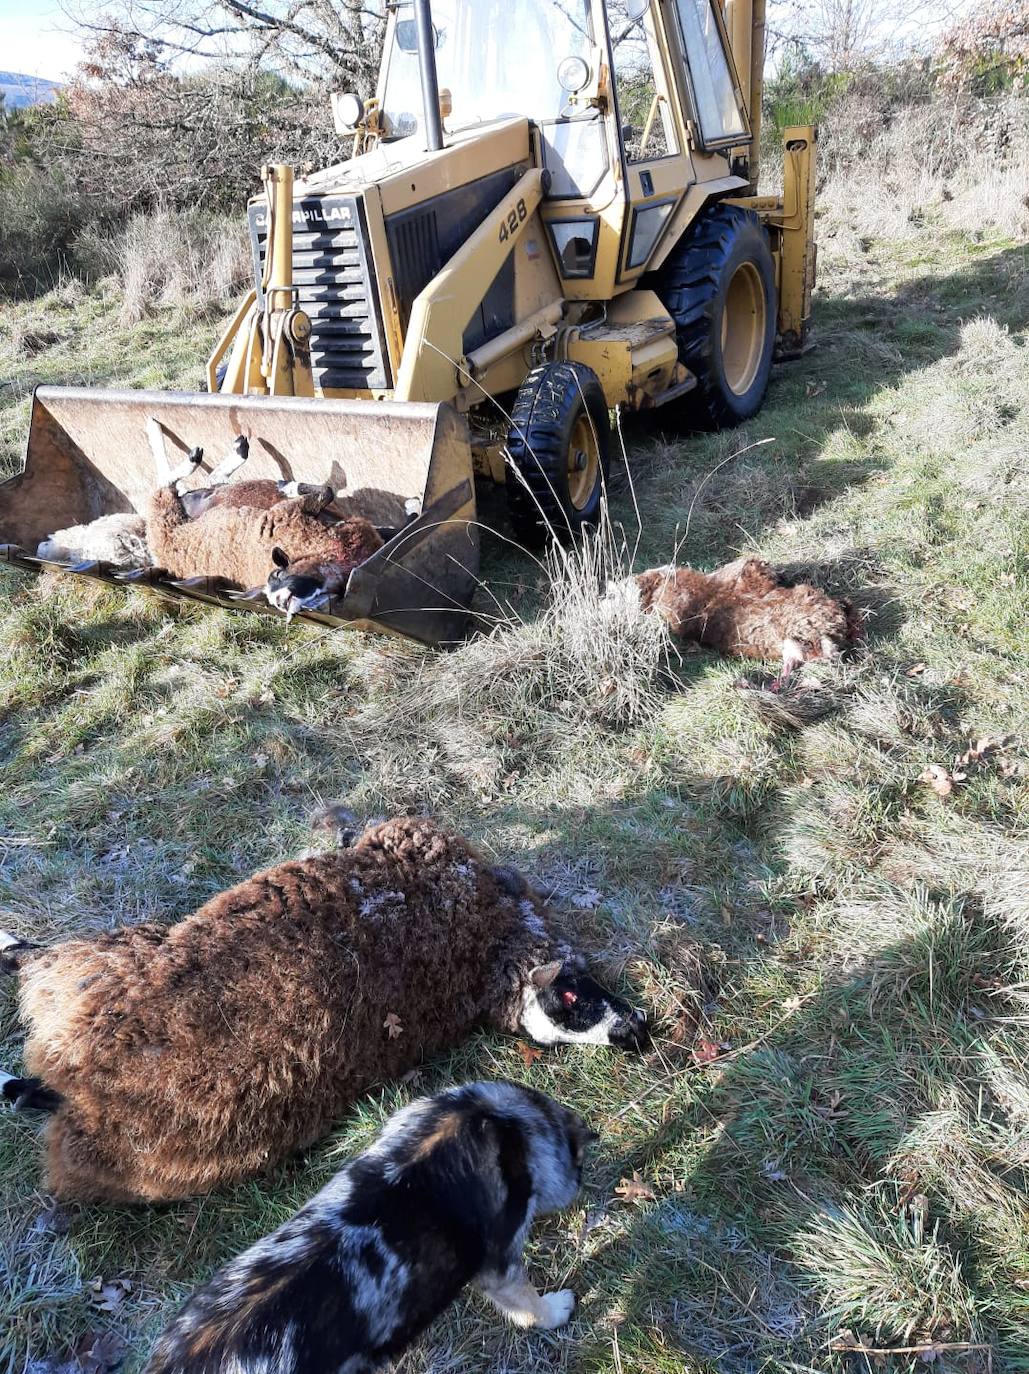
{"points": [[495, 57]]}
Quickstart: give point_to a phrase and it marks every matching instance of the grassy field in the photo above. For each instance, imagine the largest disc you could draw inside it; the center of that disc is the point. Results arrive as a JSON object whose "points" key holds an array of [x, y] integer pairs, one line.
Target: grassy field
{"points": [[831, 1137]]}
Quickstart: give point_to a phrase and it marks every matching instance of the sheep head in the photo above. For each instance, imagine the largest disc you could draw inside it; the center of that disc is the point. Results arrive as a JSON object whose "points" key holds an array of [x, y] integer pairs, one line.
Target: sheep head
{"points": [[563, 1005], [304, 584]]}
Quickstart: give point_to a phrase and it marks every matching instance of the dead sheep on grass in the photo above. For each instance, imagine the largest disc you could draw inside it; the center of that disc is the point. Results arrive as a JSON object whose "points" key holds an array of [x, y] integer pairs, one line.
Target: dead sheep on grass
{"points": [[118, 539], [239, 543], [177, 1059], [745, 609]]}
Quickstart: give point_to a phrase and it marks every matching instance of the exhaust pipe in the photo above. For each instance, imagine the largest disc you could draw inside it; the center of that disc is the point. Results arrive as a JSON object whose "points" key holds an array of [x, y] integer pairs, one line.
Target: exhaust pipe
{"points": [[427, 70]]}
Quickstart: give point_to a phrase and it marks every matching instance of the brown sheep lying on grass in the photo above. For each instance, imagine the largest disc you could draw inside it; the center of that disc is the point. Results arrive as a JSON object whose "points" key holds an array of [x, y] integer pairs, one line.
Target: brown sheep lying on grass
{"points": [[237, 542], [743, 608], [177, 1059]]}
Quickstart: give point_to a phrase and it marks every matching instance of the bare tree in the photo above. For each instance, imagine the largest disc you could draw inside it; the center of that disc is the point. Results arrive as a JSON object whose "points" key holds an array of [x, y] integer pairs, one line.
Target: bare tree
{"points": [[842, 34], [337, 41]]}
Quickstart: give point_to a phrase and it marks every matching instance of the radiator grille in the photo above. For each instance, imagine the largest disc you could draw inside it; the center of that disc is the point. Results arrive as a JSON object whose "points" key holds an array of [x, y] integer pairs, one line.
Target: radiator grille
{"points": [[336, 287]]}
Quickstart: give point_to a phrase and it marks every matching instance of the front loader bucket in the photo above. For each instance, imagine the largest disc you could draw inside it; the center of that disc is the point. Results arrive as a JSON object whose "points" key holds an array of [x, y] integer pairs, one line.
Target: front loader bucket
{"points": [[407, 468]]}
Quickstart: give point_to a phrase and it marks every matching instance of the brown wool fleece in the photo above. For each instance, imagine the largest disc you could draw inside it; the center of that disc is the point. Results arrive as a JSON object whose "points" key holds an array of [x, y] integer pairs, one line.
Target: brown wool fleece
{"points": [[195, 1055], [236, 542], [744, 609]]}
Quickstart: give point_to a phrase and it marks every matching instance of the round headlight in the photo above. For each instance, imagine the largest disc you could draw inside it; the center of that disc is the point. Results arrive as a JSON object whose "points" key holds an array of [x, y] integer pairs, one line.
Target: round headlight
{"points": [[348, 109], [572, 74]]}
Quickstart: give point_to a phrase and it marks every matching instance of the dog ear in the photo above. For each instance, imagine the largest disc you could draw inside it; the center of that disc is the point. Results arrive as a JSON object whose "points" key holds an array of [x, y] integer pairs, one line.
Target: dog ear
{"points": [[544, 975], [280, 558]]}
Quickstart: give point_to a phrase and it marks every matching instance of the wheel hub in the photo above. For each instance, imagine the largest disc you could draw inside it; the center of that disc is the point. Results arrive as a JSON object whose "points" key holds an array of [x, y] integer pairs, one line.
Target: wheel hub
{"points": [[744, 322], [583, 463]]}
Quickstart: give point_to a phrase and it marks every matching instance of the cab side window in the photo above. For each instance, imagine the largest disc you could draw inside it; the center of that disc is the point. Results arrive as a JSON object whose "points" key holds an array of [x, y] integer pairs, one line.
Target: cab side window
{"points": [[648, 130]]}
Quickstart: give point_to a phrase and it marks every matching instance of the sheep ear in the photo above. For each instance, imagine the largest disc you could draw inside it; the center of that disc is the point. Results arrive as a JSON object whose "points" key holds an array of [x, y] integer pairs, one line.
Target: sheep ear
{"points": [[545, 974], [279, 558]]}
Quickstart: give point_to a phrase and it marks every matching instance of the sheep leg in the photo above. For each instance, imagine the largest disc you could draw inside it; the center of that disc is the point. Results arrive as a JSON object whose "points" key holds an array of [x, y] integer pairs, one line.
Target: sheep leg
{"points": [[28, 1094], [792, 659], [513, 1294], [193, 459], [313, 499], [219, 475]]}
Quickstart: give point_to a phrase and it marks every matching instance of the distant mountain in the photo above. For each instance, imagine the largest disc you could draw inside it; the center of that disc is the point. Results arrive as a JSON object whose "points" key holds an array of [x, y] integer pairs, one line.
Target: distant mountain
{"points": [[18, 89]]}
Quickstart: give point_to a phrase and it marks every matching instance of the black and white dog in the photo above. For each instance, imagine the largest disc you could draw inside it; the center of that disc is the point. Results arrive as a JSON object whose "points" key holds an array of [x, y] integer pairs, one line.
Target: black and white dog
{"points": [[444, 1197]]}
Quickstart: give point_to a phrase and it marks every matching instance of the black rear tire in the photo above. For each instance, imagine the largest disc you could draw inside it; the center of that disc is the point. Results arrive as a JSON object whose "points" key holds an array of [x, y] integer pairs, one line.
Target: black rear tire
{"points": [[558, 451], [718, 285]]}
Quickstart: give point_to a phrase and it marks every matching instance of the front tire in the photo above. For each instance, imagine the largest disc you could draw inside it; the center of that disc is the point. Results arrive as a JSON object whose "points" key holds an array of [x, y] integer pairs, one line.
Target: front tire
{"points": [[718, 285], [558, 452]]}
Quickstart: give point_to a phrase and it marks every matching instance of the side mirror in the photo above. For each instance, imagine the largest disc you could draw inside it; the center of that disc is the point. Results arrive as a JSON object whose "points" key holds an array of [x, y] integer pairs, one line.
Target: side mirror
{"points": [[406, 35]]}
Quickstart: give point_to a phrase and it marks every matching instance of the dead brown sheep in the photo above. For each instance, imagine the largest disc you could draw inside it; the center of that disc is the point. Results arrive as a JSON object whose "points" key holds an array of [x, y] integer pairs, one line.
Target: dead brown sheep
{"points": [[744, 608], [177, 1059], [236, 542]]}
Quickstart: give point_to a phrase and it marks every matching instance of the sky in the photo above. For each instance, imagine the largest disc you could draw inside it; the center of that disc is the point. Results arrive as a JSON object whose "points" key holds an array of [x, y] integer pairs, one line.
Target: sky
{"points": [[36, 38]]}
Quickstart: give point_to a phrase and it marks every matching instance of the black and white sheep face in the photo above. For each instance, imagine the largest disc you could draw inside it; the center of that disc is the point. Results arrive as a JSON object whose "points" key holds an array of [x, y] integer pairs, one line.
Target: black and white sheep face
{"points": [[293, 591], [563, 1005]]}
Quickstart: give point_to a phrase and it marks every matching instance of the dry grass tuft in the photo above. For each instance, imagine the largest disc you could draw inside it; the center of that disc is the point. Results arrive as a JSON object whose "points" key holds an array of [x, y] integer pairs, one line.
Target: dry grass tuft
{"points": [[183, 259], [886, 1272], [591, 658], [897, 177]]}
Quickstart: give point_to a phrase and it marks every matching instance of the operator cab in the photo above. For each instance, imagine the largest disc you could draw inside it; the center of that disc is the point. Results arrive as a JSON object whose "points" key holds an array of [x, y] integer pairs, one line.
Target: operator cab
{"points": [[621, 133]]}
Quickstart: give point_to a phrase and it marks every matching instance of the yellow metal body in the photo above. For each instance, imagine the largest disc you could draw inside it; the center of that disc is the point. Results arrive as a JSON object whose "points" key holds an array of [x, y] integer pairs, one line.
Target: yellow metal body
{"points": [[433, 363], [790, 219], [602, 317], [268, 344]]}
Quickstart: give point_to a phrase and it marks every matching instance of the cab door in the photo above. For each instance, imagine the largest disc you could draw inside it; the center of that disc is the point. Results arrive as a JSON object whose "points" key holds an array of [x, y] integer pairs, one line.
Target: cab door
{"points": [[677, 98], [655, 159]]}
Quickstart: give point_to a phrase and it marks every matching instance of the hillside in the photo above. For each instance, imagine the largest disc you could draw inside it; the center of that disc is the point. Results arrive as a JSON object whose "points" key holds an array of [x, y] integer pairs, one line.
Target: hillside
{"points": [[18, 90]]}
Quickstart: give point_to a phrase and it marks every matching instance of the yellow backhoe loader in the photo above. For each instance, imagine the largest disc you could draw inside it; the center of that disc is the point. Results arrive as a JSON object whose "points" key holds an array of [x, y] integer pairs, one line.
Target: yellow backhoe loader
{"points": [[551, 210]]}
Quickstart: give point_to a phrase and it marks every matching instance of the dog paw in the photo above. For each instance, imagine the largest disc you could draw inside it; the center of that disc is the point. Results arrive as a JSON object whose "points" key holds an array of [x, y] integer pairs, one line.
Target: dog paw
{"points": [[556, 1308]]}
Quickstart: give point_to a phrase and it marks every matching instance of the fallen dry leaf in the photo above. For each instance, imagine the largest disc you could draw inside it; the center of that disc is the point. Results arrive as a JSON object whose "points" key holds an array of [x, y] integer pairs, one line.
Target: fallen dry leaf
{"points": [[706, 1051], [99, 1351], [830, 1109], [592, 1221], [941, 779], [109, 1296], [916, 670], [393, 1025], [982, 749], [814, 389], [529, 1053], [634, 1189]]}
